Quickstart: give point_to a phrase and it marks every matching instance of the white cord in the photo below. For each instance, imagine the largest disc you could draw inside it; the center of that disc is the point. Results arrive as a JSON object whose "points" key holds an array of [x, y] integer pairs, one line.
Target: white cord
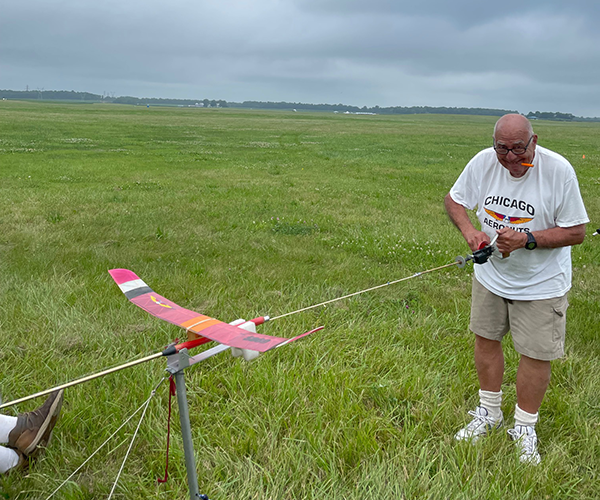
{"points": [[131, 445], [364, 291], [110, 437]]}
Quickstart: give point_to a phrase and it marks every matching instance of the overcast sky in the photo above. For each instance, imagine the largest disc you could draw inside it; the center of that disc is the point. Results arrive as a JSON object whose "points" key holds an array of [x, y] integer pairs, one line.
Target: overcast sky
{"points": [[536, 55]]}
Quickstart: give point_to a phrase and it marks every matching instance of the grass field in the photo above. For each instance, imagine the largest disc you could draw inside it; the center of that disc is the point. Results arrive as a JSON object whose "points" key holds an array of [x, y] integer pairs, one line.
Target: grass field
{"points": [[244, 213]]}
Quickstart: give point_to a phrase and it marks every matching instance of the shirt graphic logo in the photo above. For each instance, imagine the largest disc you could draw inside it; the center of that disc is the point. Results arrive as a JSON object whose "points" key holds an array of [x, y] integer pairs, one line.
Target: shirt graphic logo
{"points": [[508, 218]]}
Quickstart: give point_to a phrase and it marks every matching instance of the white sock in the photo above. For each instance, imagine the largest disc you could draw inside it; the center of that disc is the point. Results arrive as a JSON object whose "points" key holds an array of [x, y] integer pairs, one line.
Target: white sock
{"points": [[7, 424], [524, 418], [492, 402], [8, 459]]}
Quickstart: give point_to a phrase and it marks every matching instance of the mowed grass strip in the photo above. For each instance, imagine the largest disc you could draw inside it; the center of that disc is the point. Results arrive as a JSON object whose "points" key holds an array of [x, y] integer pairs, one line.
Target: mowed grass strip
{"points": [[243, 213]]}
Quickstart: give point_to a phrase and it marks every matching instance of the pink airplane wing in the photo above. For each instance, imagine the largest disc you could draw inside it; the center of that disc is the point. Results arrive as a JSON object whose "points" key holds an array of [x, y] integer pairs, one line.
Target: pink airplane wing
{"points": [[197, 325]]}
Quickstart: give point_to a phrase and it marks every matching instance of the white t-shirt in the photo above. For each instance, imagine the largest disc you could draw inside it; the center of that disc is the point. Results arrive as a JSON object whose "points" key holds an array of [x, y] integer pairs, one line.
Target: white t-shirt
{"points": [[546, 196]]}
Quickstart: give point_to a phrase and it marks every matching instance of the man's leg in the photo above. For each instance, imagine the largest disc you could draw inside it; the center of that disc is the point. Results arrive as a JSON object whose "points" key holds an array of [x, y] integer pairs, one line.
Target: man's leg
{"points": [[489, 363], [538, 331], [489, 322], [9, 459], [533, 378]]}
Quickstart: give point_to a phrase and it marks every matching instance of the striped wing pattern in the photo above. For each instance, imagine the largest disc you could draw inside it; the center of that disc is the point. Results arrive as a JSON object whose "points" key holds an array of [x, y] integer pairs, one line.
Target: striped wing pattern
{"points": [[506, 218], [197, 325]]}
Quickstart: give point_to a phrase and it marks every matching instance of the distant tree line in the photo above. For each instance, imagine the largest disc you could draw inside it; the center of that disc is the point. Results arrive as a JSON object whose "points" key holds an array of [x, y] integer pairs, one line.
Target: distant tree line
{"points": [[64, 95], [137, 101], [41, 94], [551, 116], [563, 117], [396, 110]]}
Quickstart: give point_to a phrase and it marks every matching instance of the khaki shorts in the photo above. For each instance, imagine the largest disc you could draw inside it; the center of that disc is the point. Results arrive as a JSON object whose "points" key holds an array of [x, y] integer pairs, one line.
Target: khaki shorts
{"points": [[537, 326]]}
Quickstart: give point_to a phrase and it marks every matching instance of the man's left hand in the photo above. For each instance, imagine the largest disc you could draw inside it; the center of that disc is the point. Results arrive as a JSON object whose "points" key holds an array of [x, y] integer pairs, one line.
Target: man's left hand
{"points": [[510, 240]]}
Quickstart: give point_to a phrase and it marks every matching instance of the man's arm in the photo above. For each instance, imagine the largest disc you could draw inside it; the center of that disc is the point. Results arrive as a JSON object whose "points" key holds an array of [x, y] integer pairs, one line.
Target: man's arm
{"points": [[458, 215], [555, 237]]}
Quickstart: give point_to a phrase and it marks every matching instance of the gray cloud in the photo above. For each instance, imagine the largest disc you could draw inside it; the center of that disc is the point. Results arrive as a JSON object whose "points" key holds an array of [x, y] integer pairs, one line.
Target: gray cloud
{"points": [[537, 55]]}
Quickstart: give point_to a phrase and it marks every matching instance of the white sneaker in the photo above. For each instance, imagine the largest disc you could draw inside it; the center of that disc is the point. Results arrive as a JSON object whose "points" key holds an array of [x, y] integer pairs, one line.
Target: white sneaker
{"points": [[481, 424], [526, 441]]}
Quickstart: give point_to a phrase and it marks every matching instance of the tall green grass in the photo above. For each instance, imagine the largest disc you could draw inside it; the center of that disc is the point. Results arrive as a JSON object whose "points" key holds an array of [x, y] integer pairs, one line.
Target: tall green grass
{"points": [[243, 213]]}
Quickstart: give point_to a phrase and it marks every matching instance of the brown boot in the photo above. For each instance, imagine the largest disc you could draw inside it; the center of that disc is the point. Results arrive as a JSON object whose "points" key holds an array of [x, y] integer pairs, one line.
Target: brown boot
{"points": [[34, 429]]}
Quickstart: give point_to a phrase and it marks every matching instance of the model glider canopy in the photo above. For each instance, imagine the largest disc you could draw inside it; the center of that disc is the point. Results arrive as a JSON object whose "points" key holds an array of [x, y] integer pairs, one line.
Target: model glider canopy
{"points": [[197, 325]]}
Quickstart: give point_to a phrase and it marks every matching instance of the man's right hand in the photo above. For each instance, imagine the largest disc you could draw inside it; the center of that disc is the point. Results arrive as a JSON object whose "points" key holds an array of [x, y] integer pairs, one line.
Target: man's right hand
{"points": [[458, 215], [475, 238]]}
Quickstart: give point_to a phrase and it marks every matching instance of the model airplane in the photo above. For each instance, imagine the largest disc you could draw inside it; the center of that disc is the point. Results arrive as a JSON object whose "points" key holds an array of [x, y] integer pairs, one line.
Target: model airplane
{"points": [[240, 335]]}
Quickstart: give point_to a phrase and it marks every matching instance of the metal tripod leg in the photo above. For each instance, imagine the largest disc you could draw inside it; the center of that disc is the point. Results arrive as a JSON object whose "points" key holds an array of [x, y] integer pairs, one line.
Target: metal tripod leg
{"points": [[176, 363], [180, 363], [186, 433]]}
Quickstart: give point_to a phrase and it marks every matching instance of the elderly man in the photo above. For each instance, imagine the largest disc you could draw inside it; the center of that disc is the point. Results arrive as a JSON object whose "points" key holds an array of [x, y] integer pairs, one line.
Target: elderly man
{"points": [[529, 197], [27, 433]]}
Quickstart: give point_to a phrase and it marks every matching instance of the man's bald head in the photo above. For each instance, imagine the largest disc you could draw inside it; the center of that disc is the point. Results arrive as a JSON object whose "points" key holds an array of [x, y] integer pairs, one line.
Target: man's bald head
{"points": [[513, 124]]}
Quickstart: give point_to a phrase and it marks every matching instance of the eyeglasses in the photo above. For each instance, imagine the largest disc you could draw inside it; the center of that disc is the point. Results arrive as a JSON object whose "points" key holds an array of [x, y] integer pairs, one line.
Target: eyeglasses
{"points": [[503, 150]]}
